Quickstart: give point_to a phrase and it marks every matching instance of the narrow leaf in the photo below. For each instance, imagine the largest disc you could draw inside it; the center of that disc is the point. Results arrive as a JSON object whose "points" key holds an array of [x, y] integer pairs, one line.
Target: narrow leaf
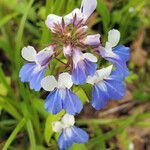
{"points": [[14, 133]]}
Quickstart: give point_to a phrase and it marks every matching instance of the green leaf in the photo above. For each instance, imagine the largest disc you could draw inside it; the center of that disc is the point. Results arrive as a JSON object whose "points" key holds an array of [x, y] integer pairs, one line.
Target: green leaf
{"points": [[45, 37], [3, 88], [81, 94], [78, 147], [88, 90], [38, 104], [6, 4], [105, 15], [5, 46], [5, 81], [20, 34], [14, 133], [9, 108], [9, 122], [7, 18], [58, 6], [31, 134], [48, 132], [70, 5], [29, 125]]}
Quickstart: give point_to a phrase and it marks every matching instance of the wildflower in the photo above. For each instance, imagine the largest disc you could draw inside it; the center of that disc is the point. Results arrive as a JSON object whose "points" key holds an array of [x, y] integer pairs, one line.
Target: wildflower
{"points": [[70, 33], [118, 55], [61, 97], [33, 71], [69, 134], [107, 84]]}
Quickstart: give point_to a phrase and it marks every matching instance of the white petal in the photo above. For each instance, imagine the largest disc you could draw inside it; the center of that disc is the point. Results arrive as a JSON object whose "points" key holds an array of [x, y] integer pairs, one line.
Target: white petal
{"points": [[57, 126], [107, 51], [105, 72], [108, 47], [51, 20], [90, 57], [49, 83], [92, 40], [69, 18], [68, 120], [92, 80], [28, 53], [88, 7], [65, 81], [100, 75], [113, 37]]}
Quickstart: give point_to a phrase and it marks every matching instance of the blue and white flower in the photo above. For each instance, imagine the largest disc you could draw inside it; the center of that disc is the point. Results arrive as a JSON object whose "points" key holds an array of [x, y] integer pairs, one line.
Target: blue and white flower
{"points": [[87, 8], [69, 134], [83, 65], [118, 55], [61, 97], [33, 71], [107, 84]]}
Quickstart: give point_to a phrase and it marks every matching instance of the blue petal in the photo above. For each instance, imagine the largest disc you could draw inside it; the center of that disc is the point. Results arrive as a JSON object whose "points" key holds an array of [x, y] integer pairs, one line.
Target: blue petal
{"points": [[53, 102], [123, 52], [79, 74], [116, 88], [62, 142], [90, 67], [65, 139], [72, 135], [27, 74], [72, 103], [79, 135], [117, 74], [99, 96], [82, 70], [26, 71], [120, 66], [35, 80]]}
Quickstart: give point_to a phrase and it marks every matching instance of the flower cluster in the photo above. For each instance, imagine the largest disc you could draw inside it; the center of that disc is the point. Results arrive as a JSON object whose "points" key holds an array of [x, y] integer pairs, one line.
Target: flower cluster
{"points": [[82, 52]]}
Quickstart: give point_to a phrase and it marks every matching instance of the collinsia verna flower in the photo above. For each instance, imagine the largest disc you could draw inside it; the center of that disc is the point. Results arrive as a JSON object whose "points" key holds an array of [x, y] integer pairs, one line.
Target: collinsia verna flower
{"points": [[118, 55], [69, 134], [61, 97], [107, 84], [74, 48], [33, 71]]}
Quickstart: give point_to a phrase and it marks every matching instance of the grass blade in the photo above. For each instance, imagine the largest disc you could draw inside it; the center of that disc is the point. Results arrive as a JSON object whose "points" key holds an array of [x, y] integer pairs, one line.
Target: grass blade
{"points": [[14, 133], [31, 135], [19, 36], [9, 108], [105, 15], [7, 18]]}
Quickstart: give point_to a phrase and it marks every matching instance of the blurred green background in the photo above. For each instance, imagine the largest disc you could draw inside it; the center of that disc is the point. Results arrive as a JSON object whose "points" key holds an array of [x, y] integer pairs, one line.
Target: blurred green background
{"points": [[122, 125]]}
